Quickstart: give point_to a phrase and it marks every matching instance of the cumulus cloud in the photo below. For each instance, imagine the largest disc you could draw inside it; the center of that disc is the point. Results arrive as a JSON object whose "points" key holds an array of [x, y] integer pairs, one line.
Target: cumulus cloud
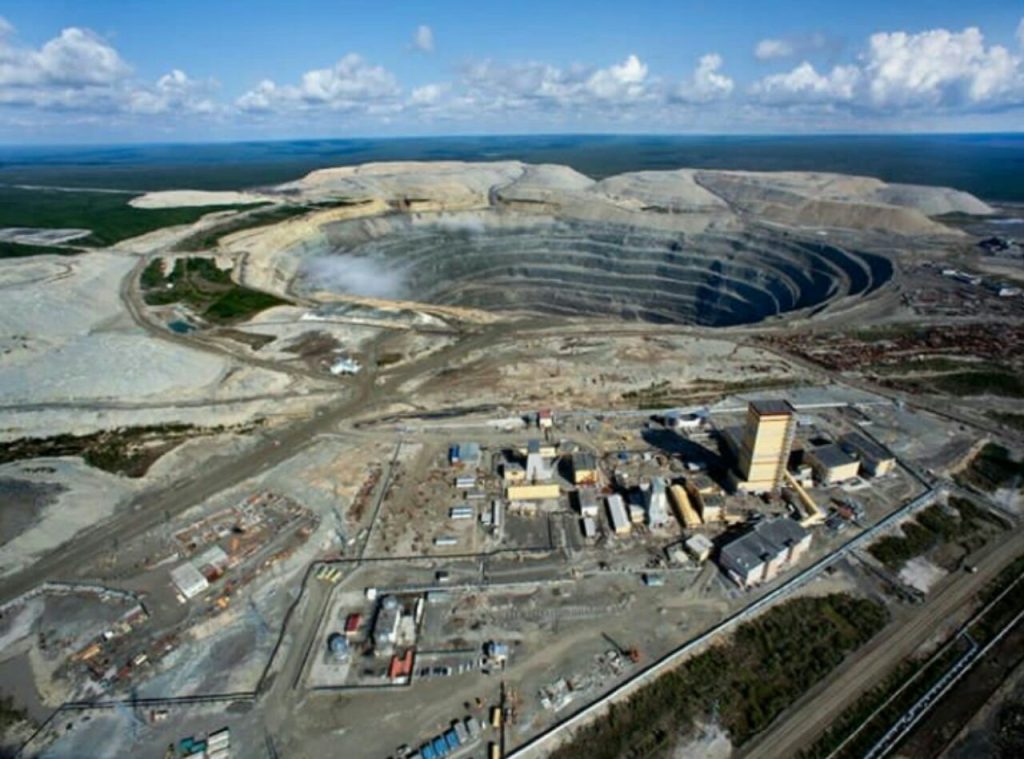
{"points": [[805, 84], [423, 39], [902, 71], [939, 67], [778, 48], [175, 91], [79, 71], [350, 84], [769, 49], [494, 85], [707, 82], [428, 94], [74, 61]]}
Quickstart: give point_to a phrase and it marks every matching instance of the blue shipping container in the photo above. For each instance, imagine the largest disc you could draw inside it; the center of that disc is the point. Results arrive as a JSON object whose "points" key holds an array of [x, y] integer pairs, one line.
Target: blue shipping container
{"points": [[440, 747], [427, 751], [453, 739]]}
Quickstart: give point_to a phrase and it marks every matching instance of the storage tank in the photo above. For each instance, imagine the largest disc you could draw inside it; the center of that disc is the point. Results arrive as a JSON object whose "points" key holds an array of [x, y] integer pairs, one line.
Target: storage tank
{"points": [[338, 645]]}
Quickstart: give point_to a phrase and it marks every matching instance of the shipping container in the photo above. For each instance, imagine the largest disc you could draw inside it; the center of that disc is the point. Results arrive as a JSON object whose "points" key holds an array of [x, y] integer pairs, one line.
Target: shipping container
{"points": [[453, 739], [495, 717]]}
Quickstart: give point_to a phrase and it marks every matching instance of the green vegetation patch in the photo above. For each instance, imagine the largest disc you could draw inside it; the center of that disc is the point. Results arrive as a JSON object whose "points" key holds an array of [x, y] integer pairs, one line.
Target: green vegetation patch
{"points": [[107, 214], [933, 526], [20, 250], [199, 283], [992, 468], [128, 451], [206, 239], [989, 382], [1016, 421], [745, 683]]}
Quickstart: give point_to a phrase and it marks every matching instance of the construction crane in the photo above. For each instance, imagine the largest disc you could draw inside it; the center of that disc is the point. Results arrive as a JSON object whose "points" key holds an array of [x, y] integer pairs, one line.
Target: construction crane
{"points": [[632, 653]]}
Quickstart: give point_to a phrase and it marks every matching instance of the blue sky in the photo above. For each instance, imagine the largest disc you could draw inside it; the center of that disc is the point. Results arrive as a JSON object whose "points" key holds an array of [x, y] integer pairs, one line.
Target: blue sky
{"points": [[108, 71]]}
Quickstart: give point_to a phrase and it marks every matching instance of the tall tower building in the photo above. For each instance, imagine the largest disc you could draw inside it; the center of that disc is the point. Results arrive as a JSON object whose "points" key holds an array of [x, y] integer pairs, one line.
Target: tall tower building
{"points": [[764, 450]]}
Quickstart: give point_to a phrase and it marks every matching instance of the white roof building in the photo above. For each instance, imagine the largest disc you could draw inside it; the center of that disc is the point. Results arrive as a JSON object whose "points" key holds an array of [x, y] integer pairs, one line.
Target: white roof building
{"points": [[189, 580]]}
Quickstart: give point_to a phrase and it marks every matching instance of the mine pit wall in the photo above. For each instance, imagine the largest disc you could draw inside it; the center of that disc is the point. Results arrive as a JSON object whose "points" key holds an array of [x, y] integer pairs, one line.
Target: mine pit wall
{"points": [[506, 261], [691, 268]]}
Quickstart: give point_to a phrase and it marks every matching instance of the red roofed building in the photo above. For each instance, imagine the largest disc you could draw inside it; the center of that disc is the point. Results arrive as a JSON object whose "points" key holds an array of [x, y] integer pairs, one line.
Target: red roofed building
{"points": [[352, 622], [401, 666]]}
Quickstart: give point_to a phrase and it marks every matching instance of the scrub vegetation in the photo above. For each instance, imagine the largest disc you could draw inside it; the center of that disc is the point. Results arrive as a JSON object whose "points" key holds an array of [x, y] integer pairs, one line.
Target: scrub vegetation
{"points": [[129, 451], [744, 683], [962, 522], [992, 468], [203, 286], [107, 214], [20, 250]]}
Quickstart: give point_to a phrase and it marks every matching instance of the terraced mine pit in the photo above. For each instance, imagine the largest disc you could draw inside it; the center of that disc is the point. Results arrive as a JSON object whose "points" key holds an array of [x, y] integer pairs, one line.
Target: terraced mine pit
{"points": [[511, 262]]}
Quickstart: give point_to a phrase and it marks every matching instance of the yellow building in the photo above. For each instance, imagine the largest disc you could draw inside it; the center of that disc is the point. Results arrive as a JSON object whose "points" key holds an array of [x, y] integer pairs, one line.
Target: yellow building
{"points": [[533, 492], [584, 468], [684, 509], [513, 473], [764, 450]]}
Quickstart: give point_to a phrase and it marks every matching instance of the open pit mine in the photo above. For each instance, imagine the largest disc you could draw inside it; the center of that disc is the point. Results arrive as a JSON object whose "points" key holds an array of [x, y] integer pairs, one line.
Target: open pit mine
{"points": [[709, 248]]}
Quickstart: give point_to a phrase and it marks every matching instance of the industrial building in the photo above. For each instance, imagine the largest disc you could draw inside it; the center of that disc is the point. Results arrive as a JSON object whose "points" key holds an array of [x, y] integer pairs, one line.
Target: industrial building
{"points": [[875, 459], [467, 454], [584, 468], [699, 547], [533, 492], [538, 466], [761, 553], [189, 580], [513, 473], [586, 500], [617, 515], [765, 445], [707, 498], [832, 464], [657, 503], [685, 512], [385, 626]]}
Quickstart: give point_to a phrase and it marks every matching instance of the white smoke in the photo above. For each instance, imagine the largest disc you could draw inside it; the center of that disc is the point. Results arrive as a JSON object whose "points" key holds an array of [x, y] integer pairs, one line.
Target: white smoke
{"points": [[353, 275]]}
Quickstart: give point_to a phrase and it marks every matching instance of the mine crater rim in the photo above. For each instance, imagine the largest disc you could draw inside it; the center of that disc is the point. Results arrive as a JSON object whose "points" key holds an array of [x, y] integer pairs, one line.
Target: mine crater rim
{"points": [[515, 262]]}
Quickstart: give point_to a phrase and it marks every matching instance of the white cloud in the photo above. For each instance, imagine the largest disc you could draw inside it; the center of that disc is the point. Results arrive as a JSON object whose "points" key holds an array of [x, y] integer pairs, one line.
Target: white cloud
{"points": [[805, 84], [707, 82], [352, 83], [423, 39], [77, 58], [428, 94], [624, 81], [799, 45], [505, 86], [769, 49], [939, 68], [176, 92]]}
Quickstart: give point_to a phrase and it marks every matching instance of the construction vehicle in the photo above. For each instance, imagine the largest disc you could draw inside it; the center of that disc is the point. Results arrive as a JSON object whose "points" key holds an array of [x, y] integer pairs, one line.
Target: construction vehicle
{"points": [[632, 653]]}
